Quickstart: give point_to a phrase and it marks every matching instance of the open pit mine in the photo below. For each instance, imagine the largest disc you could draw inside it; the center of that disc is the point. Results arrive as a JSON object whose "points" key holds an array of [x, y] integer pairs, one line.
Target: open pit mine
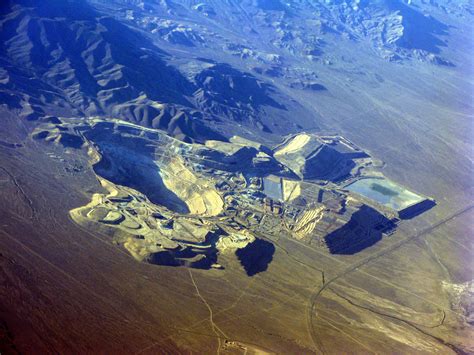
{"points": [[173, 203], [236, 177]]}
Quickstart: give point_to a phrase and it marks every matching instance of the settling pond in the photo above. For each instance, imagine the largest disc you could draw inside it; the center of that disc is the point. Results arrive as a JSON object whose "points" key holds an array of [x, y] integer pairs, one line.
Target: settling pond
{"points": [[385, 192]]}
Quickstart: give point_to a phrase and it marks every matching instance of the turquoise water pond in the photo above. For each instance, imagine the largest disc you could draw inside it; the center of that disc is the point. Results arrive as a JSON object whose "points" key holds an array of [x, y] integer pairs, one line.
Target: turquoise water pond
{"points": [[385, 192]]}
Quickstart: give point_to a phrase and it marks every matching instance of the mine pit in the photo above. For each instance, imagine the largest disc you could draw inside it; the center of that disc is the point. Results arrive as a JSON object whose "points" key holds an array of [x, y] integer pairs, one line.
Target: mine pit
{"points": [[179, 204]]}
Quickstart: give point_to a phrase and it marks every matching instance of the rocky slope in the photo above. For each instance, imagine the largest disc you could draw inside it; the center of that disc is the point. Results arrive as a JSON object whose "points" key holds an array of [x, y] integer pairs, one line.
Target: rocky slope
{"points": [[197, 68]]}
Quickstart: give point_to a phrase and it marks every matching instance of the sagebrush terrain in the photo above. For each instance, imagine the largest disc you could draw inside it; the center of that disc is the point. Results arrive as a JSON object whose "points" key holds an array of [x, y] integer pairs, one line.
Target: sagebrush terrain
{"points": [[174, 176]]}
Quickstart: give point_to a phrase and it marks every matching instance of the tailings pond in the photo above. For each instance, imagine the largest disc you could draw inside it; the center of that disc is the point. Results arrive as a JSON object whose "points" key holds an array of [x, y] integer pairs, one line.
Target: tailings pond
{"points": [[385, 192]]}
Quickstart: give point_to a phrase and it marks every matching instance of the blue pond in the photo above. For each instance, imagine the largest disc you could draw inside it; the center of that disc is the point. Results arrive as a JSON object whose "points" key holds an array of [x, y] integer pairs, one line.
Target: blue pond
{"points": [[385, 192]]}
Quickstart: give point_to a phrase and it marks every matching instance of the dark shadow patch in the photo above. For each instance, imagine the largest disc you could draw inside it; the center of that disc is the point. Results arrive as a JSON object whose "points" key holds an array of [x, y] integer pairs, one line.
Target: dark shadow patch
{"points": [[11, 100], [416, 210], [142, 175], [10, 145], [365, 228], [51, 119], [40, 135], [256, 256], [193, 255], [71, 141], [270, 5], [128, 161], [420, 31], [304, 85], [185, 257], [211, 239], [320, 195], [164, 258], [327, 164]]}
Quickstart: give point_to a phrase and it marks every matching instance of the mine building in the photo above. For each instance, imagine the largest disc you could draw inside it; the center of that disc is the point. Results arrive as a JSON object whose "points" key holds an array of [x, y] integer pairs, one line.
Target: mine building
{"points": [[267, 204], [277, 208]]}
